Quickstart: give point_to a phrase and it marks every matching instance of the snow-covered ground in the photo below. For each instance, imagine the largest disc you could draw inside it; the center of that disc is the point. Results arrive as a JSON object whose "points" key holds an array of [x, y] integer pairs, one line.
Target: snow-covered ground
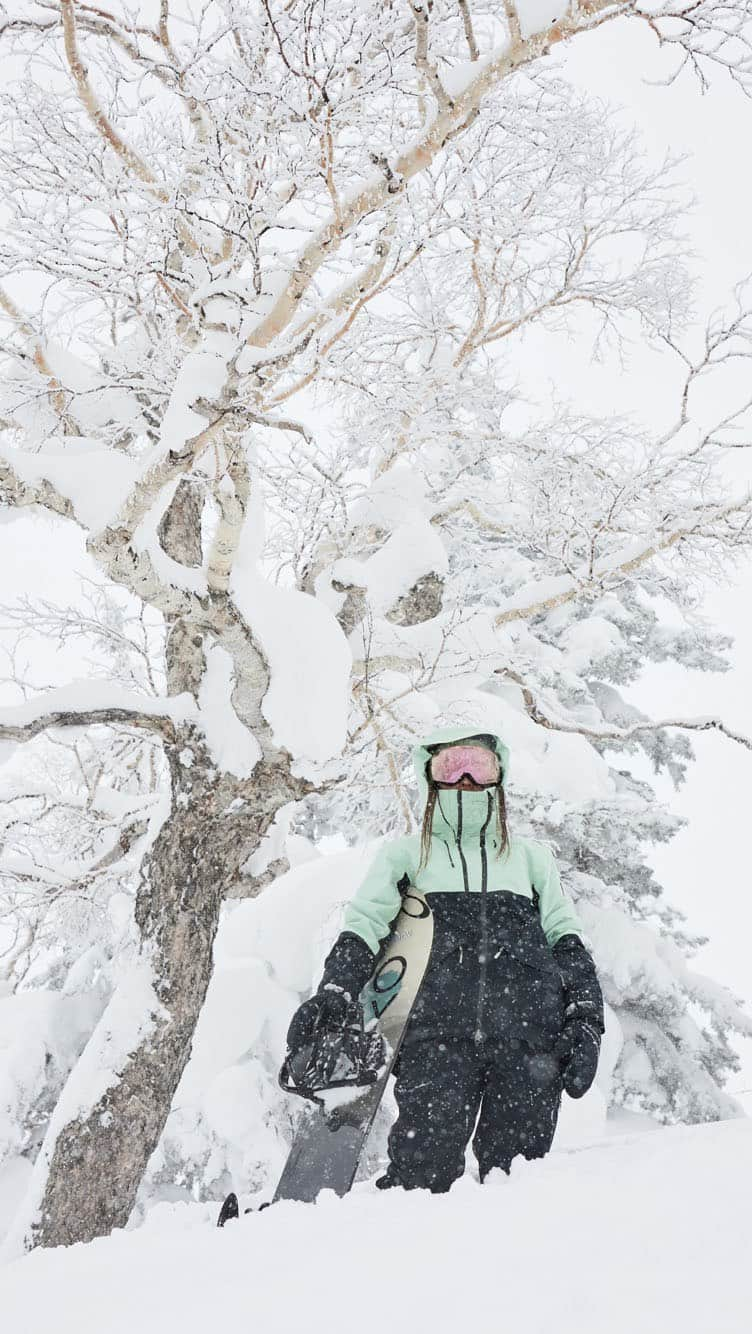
{"points": [[641, 1232]]}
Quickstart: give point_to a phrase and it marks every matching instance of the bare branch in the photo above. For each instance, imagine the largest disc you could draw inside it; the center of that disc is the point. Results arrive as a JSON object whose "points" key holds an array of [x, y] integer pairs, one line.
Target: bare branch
{"points": [[611, 567], [422, 16], [15, 491], [109, 717], [467, 23], [451, 118], [23, 326], [94, 111], [128, 156], [513, 20], [601, 734]]}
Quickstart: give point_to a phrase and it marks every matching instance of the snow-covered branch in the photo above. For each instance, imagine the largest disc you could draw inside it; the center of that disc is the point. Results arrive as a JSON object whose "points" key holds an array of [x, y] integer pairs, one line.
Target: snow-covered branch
{"points": [[94, 110], [91, 704], [558, 722], [704, 522], [455, 113]]}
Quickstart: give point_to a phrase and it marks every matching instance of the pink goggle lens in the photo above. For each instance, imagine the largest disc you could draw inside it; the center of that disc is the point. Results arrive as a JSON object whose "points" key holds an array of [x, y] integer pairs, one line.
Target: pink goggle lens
{"points": [[448, 765]]}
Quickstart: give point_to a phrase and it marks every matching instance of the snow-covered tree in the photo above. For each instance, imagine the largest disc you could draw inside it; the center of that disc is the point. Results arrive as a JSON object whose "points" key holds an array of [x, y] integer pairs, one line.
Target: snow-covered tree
{"points": [[208, 214], [571, 556]]}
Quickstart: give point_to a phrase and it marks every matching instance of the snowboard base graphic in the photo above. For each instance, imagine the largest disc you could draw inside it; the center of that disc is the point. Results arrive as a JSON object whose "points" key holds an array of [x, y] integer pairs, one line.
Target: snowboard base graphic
{"points": [[327, 1146]]}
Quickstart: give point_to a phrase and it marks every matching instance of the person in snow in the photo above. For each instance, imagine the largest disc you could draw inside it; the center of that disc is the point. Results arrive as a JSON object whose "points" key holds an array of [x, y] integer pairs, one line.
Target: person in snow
{"points": [[509, 1013]]}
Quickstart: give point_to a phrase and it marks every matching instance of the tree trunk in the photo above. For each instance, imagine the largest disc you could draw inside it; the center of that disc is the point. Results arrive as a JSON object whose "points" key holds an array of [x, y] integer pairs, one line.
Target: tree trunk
{"points": [[98, 1157], [179, 528]]}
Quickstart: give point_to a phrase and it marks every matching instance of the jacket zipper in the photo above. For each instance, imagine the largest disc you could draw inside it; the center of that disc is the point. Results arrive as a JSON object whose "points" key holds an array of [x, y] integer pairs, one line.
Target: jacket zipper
{"points": [[483, 924], [459, 843]]}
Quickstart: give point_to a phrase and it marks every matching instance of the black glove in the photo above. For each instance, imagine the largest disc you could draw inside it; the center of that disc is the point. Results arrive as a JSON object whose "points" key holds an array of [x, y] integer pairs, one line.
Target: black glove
{"points": [[584, 999], [348, 966], [326, 1010], [578, 1049], [579, 1045]]}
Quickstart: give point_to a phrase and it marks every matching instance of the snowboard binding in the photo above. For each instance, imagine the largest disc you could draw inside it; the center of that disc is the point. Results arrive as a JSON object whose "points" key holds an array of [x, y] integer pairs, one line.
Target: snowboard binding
{"points": [[348, 1056]]}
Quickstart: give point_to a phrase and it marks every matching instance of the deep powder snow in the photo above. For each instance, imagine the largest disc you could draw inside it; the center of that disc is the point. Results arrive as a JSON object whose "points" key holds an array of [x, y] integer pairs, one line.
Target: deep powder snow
{"points": [[643, 1232]]}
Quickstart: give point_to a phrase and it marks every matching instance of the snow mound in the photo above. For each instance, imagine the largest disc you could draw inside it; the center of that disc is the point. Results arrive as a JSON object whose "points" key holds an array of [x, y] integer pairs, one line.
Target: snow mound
{"points": [[640, 1232]]}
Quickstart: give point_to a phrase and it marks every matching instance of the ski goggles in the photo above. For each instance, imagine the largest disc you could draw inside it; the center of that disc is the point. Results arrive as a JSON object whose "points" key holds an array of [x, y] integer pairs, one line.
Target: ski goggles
{"points": [[451, 763]]}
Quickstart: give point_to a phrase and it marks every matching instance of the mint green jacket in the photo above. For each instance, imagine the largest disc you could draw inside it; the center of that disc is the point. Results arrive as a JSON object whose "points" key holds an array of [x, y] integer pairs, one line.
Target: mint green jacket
{"points": [[464, 837]]}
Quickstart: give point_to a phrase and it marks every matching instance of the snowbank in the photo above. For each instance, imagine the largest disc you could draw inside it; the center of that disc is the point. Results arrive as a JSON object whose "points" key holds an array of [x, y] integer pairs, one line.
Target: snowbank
{"points": [[643, 1232]]}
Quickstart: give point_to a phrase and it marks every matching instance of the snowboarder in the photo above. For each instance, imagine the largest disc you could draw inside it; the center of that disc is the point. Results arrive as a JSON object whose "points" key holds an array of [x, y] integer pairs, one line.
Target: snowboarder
{"points": [[509, 1012]]}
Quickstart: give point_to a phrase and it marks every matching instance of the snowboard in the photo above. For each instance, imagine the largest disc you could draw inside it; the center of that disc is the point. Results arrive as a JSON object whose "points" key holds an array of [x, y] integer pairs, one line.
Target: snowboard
{"points": [[327, 1146]]}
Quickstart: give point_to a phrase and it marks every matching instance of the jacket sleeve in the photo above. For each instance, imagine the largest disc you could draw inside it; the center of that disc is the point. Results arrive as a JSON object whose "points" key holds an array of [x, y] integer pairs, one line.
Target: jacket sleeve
{"points": [[377, 900], [563, 931], [367, 922], [557, 914]]}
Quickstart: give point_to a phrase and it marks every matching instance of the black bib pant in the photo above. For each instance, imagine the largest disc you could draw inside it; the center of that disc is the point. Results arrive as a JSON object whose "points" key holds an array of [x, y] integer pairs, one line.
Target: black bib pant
{"points": [[478, 1054], [441, 1088]]}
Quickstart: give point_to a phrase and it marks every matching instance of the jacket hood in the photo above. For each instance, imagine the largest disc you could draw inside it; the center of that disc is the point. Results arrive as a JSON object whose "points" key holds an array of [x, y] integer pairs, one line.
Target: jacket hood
{"points": [[421, 753]]}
